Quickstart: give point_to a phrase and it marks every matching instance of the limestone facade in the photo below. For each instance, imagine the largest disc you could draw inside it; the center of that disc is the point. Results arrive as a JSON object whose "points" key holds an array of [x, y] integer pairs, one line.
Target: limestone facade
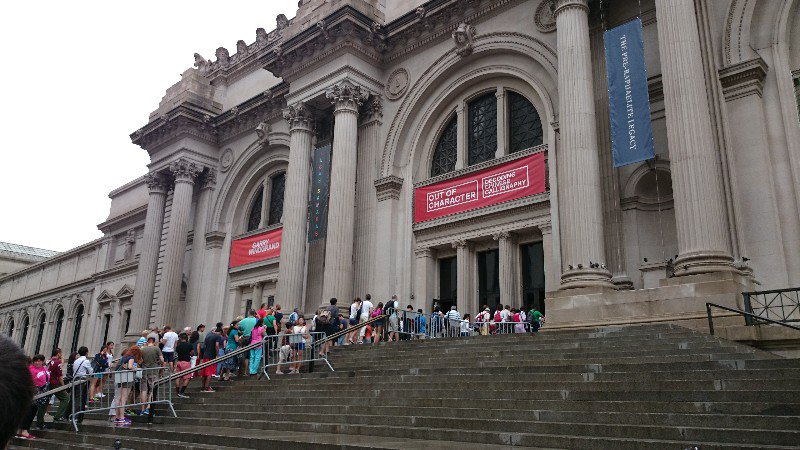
{"points": [[404, 91]]}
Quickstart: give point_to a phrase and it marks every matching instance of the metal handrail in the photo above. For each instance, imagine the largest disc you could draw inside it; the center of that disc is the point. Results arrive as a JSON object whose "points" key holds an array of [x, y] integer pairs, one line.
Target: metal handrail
{"points": [[349, 330], [743, 313]]}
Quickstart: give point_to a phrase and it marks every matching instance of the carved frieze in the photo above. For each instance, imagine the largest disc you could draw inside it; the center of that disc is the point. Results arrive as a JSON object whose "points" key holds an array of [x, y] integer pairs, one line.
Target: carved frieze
{"points": [[388, 188]]}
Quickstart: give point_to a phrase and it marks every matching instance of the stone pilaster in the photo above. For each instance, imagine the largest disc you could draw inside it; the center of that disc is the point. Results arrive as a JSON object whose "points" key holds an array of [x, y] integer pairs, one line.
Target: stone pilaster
{"points": [[366, 173], [502, 140], [579, 172], [292, 268], [198, 296], [258, 289], [462, 159], [551, 269], [703, 241], [338, 279], [184, 173], [465, 299], [424, 278], [387, 193], [509, 255], [142, 300]]}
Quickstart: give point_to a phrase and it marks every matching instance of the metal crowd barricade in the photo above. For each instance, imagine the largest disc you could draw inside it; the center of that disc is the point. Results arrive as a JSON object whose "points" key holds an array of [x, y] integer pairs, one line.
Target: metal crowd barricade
{"points": [[289, 349], [138, 385], [412, 325]]}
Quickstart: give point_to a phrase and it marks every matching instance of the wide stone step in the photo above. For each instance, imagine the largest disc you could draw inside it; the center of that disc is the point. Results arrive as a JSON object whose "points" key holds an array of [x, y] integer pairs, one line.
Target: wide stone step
{"points": [[402, 417], [517, 432], [104, 436], [522, 386]]}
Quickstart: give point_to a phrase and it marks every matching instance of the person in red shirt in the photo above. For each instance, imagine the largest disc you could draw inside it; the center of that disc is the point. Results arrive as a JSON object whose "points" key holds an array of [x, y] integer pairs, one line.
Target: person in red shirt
{"points": [[56, 380], [262, 312]]}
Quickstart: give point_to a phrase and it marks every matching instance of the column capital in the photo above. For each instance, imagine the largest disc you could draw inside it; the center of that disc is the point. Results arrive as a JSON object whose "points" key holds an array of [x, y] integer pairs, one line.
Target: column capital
{"points": [[545, 228], [346, 96], [502, 235], [560, 6], [388, 187], [373, 110], [423, 252], [156, 183], [299, 116], [257, 284], [461, 243], [184, 170], [210, 179]]}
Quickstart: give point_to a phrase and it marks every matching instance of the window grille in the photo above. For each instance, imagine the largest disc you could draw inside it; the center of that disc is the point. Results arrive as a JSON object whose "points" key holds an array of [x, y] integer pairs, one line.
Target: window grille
{"points": [[446, 153], [524, 124], [278, 185], [482, 128]]}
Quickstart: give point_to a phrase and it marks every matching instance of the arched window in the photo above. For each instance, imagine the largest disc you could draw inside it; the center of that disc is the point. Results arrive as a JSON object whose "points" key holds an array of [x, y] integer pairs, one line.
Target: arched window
{"points": [[482, 128], [40, 334], [277, 187], [446, 152], [59, 325], [11, 328], [76, 330], [524, 124], [26, 322], [254, 219]]}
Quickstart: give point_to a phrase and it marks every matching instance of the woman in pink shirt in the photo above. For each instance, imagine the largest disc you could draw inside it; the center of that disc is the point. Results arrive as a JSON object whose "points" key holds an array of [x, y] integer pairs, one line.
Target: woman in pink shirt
{"points": [[41, 380], [256, 336]]}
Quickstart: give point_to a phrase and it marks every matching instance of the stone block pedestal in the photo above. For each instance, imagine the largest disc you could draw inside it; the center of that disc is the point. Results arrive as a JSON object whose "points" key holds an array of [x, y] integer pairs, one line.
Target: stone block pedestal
{"points": [[681, 300]]}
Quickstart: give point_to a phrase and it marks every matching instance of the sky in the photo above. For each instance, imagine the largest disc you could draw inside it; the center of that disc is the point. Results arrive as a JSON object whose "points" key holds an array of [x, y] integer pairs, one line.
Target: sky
{"points": [[80, 77]]}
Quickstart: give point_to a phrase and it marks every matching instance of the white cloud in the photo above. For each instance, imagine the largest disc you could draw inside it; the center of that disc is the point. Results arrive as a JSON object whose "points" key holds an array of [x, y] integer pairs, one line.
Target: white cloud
{"points": [[78, 78]]}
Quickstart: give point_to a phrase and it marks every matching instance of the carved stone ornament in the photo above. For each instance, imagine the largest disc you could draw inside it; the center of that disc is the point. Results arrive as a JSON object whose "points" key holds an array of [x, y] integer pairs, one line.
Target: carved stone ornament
{"points": [[201, 64], [261, 37], [226, 159], [347, 95], [262, 131], [223, 57], [397, 84], [372, 110], [210, 179], [298, 116], [281, 22], [544, 19], [464, 37], [184, 170], [241, 48]]}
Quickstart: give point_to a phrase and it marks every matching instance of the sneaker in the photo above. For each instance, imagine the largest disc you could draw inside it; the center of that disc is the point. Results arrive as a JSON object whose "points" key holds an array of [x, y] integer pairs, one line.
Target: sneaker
{"points": [[209, 390], [144, 412], [278, 372], [183, 396], [100, 395]]}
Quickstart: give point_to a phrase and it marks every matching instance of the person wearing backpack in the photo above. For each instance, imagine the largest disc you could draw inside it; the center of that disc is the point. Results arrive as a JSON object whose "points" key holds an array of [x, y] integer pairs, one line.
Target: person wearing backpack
{"points": [[394, 322], [328, 322]]}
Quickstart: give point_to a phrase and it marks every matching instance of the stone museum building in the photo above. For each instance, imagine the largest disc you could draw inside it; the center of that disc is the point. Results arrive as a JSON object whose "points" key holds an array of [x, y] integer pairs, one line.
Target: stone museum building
{"points": [[455, 151]]}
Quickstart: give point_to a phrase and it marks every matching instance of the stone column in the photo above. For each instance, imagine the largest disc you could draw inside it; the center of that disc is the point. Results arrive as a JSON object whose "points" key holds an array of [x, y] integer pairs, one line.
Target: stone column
{"points": [[550, 265], [291, 270], [579, 170], [184, 172], [258, 288], [198, 302], [142, 301], [338, 279], [464, 299], [703, 241], [509, 254], [424, 273], [502, 141]]}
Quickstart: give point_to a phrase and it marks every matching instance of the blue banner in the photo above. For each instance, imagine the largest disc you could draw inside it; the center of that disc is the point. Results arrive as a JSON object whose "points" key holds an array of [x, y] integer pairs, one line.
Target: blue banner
{"points": [[320, 186], [628, 100]]}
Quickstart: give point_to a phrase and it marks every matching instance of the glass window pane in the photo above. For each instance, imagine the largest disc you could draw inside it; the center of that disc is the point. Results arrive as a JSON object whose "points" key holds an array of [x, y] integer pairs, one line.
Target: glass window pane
{"points": [[278, 185], [482, 128], [488, 278], [447, 283], [254, 219], [445, 154], [524, 124]]}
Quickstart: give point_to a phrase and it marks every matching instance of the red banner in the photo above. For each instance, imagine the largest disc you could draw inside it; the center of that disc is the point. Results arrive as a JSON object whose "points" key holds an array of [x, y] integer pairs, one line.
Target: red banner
{"points": [[510, 181], [256, 248]]}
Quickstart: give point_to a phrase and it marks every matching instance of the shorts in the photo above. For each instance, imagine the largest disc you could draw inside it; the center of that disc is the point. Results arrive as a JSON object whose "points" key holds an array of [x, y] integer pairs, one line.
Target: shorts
{"points": [[184, 365], [394, 323], [168, 356], [209, 370], [353, 321], [299, 346]]}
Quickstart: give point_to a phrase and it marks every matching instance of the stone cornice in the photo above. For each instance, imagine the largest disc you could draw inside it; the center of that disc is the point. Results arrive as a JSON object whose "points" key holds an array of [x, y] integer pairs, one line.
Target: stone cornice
{"points": [[75, 252], [215, 239], [484, 165], [123, 220], [477, 215], [228, 68], [743, 79], [215, 129]]}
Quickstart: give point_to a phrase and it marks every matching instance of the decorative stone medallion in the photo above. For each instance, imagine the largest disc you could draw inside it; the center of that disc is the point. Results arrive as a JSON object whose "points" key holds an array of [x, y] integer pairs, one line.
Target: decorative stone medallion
{"points": [[226, 160], [397, 84], [544, 18]]}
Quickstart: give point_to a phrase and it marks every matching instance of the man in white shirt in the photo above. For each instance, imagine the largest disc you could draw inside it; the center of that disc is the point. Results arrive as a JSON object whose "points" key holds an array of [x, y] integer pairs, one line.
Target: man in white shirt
{"points": [[169, 340], [82, 367], [453, 320], [366, 310]]}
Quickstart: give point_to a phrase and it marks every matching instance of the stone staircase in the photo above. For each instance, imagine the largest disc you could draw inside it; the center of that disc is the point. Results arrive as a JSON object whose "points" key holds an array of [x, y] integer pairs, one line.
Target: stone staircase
{"points": [[653, 386]]}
